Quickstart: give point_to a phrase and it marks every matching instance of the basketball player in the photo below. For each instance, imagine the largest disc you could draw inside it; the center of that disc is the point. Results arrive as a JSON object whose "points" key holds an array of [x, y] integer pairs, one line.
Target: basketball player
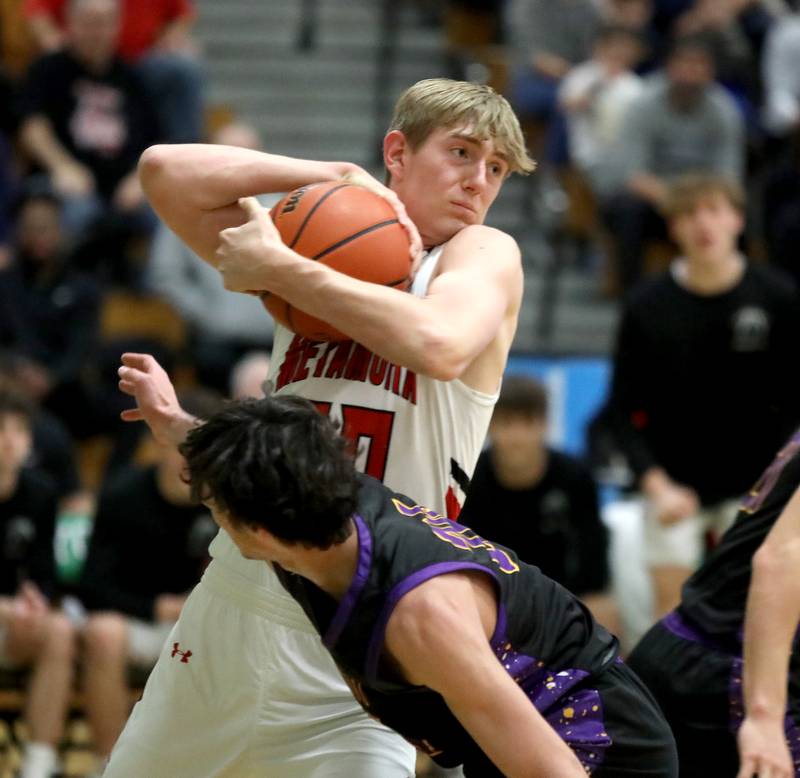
{"points": [[712, 677], [450, 639], [287, 711]]}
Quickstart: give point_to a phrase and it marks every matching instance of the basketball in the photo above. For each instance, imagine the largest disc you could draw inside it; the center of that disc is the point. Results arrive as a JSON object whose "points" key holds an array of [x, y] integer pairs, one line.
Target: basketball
{"points": [[350, 229]]}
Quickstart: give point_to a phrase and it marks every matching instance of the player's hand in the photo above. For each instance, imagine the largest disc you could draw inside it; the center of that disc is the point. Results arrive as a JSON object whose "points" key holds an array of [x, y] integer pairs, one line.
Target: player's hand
{"points": [[141, 377], [368, 182], [763, 750], [250, 256], [128, 195], [168, 607]]}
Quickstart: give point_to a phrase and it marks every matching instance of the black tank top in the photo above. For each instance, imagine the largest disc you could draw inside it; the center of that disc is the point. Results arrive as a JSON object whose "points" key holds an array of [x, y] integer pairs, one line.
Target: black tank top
{"points": [[545, 638]]}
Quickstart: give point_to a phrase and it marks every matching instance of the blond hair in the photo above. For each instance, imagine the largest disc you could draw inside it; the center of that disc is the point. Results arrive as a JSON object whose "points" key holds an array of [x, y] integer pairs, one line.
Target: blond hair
{"points": [[687, 190], [442, 102]]}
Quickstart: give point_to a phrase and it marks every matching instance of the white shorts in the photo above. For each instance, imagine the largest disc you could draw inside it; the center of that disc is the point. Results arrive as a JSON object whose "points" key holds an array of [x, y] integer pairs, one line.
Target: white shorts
{"points": [[683, 543], [245, 688]]}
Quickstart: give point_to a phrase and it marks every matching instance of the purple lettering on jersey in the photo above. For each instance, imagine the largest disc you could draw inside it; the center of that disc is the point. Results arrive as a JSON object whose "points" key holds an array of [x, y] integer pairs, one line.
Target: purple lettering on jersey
{"points": [[754, 499], [457, 534]]}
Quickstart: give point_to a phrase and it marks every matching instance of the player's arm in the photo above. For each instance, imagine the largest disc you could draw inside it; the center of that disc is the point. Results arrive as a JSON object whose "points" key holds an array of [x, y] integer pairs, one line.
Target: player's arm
{"points": [[437, 637], [771, 619], [194, 188], [469, 302]]}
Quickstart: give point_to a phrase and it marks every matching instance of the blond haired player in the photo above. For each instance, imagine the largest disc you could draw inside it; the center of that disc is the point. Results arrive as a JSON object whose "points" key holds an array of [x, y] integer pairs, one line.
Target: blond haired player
{"points": [[259, 695]]}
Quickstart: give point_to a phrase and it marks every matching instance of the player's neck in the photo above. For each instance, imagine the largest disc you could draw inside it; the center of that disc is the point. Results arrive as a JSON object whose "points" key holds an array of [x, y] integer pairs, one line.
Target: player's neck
{"points": [[332, 569], [709, 275]]}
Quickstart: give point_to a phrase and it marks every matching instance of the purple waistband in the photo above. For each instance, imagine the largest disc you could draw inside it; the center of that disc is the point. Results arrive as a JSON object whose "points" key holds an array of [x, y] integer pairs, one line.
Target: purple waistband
{"points": [[678, 625]]}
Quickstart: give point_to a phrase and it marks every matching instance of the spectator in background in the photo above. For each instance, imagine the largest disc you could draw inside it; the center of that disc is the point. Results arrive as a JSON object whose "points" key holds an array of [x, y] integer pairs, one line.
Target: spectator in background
{"points": [[682, 122], [249, 375], [86, 118], [148, 548], [223, 326], [781, 73], [154, 37], [594, 96], [49, 315], [540, 502], [705, 358], [32, 634], [548, 38]]}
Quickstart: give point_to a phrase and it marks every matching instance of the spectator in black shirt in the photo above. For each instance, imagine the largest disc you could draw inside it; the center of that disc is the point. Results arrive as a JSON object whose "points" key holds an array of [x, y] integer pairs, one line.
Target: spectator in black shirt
{"points": [[538, 501], [148, 548], [49, 314], [706, 358], [86, 119], [32, 634]]}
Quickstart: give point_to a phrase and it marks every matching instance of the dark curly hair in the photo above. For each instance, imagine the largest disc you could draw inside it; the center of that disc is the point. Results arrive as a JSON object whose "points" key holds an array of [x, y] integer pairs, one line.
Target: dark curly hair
{"points": [[275, 463]]}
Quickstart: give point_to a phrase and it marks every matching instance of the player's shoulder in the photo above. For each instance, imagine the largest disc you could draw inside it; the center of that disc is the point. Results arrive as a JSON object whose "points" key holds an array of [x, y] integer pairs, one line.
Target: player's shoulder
{"points": [[478, 239], [773, 280]]}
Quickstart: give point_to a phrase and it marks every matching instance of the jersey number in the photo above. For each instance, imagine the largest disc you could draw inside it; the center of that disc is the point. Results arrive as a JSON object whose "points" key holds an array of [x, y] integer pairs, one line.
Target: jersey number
{"points": [[367, 427]]}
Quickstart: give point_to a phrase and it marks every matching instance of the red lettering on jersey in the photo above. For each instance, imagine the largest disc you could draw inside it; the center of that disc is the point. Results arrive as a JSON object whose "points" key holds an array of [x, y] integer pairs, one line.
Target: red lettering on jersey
{"points": [[323, 359], [410, 387], [358, 364], [310, 349], [339, 360], [348, 360], [289, 364], [176, 649], [377, 370]]}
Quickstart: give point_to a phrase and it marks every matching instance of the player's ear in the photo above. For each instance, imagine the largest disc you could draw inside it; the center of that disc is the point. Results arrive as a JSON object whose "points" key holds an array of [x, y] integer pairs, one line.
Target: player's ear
{"points": [[394, 148]]}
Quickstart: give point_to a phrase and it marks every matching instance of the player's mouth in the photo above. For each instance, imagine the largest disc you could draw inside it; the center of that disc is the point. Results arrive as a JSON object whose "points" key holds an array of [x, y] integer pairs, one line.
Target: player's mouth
{"points": [[466, 207]]}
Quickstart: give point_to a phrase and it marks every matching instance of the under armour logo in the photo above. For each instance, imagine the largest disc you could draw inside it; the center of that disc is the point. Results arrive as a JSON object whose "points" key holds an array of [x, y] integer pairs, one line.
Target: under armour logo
{"points": [[184, 654]]}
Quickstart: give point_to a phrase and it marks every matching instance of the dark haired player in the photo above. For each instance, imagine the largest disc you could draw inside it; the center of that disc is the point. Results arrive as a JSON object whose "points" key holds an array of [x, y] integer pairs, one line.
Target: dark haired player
{"points": [[718, 663], [474, 656]]}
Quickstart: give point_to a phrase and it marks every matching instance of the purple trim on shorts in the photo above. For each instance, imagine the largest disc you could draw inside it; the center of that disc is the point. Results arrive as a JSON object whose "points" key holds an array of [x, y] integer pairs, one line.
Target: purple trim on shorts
{"points": [[577, 716], [678, 625], [348, 602], [398, 590]]}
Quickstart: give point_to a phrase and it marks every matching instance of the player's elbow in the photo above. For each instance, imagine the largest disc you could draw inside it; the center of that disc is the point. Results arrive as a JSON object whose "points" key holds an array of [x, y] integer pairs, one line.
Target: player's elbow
{"points": [[153, 164], [774, 560], [442, 355]]}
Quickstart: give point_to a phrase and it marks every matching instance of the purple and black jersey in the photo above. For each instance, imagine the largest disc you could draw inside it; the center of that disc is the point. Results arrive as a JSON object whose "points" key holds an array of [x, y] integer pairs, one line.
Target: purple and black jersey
{"points": [[714, 598], [544, 637]]}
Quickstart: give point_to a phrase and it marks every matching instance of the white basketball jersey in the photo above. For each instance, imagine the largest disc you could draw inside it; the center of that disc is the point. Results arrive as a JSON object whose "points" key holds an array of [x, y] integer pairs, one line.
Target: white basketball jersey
{"points": [[420, 436]]}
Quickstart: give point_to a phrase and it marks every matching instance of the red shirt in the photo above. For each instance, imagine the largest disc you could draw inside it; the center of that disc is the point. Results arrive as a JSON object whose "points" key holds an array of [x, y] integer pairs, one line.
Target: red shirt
{"points": [[142, 20]]}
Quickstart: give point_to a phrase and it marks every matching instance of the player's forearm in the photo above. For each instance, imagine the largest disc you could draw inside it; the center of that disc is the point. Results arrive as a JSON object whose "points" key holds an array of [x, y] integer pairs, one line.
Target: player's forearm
{"points": [[398, 326], [209, 176], [771, 621]]}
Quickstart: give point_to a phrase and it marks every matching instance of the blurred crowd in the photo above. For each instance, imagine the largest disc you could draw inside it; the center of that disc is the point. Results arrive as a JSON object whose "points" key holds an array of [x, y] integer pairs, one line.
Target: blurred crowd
{"points": [[652, 116]]}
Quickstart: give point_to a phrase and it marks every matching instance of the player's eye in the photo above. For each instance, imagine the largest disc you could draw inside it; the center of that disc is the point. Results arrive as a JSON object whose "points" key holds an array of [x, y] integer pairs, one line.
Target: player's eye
{"points": [[459, 151]]}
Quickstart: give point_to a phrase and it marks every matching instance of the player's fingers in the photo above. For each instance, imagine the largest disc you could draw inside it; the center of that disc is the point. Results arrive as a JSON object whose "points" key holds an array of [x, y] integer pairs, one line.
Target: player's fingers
{"points": [[252, 208], [137, 361], [127, 387], [131, 414], [747, 768]]}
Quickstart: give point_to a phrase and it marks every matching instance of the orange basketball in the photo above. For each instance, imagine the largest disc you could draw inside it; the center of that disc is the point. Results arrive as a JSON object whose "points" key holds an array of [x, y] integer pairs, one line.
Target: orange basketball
{"points": [[348, 228]]}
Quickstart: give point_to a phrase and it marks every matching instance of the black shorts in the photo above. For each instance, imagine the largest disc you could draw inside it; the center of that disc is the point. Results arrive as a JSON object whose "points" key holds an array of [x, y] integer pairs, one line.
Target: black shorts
{"points": [[642, 744], [699, 688]]}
